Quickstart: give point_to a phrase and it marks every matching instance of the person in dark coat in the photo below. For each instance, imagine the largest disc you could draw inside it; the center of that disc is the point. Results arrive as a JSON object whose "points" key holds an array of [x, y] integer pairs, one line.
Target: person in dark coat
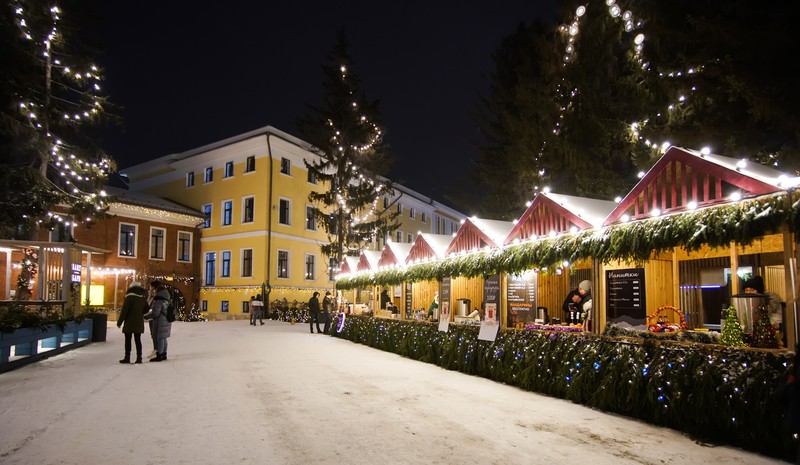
{"points": [[131, 320], [573, 304], [158, 314], [327, 310], [313, 307]]}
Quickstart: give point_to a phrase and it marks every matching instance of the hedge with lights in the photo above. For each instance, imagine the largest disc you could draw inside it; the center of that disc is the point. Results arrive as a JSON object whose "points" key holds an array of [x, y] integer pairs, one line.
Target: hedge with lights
{"points": [[713, 393], [636, 242]]}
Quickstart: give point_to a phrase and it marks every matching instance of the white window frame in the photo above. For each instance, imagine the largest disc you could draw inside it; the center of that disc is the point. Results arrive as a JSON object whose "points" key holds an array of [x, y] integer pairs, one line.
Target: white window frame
{"points": [[135, 239], [229, 170], [287, 273], [399, 208], [252, 210], [313, 267], [312, 218], [241, 262], [178, 248], [222, 263], [399, 236], [225, 306], [190, 179], [247, 164], [208, 219], [222, 213], [311, 178], [163, 244], [412, 213], [213, 273], [424, 217], [287, 164], [289, 211], [410, 238], [208, 175]]}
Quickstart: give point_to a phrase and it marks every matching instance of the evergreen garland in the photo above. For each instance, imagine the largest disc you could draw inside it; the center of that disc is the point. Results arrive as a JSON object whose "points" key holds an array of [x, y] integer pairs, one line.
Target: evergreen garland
{"points": [[635, 242]]}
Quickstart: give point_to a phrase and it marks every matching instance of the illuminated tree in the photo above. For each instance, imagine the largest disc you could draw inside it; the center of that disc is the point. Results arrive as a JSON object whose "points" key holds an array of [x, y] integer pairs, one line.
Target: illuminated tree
{"points": [[53, 172], [732, 334], [346, 131]]}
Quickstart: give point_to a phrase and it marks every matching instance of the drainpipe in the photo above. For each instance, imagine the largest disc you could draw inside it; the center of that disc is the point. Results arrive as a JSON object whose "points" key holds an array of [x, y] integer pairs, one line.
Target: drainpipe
{"points": [[265, 296]]}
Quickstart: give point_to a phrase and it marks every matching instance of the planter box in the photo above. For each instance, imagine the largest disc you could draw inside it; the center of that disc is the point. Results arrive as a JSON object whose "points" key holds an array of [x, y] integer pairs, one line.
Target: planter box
{"points": [[27, 345]]}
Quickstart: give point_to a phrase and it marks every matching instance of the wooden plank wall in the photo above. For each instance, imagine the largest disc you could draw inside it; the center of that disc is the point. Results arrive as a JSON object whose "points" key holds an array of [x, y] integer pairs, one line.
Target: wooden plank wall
{"points": [[467, 288]]}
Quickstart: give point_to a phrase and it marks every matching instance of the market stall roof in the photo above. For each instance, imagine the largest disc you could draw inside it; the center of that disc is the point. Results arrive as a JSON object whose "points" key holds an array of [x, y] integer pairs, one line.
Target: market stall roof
{"points": [[368, 260], [146, 200], [551, 213], [394, 253], [350, 265], [477, 233], [20, 245], [429, 247], [685, 179]]}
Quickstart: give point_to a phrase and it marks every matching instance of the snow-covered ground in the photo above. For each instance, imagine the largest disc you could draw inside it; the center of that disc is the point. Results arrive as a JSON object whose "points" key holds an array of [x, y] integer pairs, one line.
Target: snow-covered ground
{"points": [[232, 393]]}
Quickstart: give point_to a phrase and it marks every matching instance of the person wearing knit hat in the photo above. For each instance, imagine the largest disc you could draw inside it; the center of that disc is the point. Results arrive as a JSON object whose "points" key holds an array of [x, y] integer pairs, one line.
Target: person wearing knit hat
{"points": [[573, 305]]}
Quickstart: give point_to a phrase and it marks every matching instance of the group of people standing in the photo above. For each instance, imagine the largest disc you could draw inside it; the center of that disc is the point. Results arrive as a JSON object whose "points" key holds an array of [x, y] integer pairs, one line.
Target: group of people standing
{"points": [[320, 313], [141, 305]]}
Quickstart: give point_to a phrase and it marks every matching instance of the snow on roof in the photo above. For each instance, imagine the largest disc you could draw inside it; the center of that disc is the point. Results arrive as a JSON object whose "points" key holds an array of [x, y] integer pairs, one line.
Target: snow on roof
{"points": [[438, 242], [143, 199], [400, 250], [496, 230], [593, 211], [748, 168], [370, 258]]}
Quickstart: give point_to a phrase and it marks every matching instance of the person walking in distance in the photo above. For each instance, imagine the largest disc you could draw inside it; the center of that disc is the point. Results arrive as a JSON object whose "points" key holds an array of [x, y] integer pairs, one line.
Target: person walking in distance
{"points": [[151, 293], [313, 308], [327, 310], [131, 320], [158, 314]]}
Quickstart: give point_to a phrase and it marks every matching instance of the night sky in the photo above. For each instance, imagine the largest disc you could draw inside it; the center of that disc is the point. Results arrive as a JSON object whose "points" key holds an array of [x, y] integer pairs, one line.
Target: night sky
{"points": [[188, 75]]}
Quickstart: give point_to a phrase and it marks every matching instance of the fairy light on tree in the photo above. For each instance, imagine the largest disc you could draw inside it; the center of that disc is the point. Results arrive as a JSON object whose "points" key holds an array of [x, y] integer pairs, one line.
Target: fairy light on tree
{"points": [[54, 170], [346, 131]]}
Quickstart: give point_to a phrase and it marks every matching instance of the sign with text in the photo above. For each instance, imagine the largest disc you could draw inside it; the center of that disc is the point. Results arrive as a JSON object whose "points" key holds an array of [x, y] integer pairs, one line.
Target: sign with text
{"points": [[625, 296], [408, 299], [521, 297], [444, 304]]}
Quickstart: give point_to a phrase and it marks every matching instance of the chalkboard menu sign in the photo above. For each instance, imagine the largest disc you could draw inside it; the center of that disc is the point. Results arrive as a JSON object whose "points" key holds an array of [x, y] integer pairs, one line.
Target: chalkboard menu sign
{"points": [[625, 295], [521, 297], [491, 290], [444, 293], [408, 298]]}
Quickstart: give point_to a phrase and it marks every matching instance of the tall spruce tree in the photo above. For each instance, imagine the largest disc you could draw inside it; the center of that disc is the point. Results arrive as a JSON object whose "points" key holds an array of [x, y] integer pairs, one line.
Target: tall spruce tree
{"points": [[631, 78], [347, 132], [49, 97]]}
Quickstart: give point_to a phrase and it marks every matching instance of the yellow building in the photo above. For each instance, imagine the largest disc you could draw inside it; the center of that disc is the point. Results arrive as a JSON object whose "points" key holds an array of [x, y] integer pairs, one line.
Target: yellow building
{"points": [[259, 234]]}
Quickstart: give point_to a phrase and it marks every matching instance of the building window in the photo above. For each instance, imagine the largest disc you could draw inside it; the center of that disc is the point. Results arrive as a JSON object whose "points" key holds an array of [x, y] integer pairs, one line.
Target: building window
{"points": [[311, 221], [250, 164], [184, 246], [226, 264], [229, 169], [333, 268], [127, 240], [284, 210], [227, 212], [283, 263], [411, 213], [190, 179], [399, 236], [209, 175], [224, 306], [248, 207], [204, 306], [310, 261], [385, 203], [399, 208], [211, 267], [312, 177], [157, 243], [207, 212], [424, 217], [286, 166], [410, 238], [247, 263], [246, 306]]}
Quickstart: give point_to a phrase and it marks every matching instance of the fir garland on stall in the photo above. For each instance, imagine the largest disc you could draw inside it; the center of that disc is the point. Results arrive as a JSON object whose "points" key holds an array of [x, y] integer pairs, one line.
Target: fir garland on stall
{"points": [[713, 393]]}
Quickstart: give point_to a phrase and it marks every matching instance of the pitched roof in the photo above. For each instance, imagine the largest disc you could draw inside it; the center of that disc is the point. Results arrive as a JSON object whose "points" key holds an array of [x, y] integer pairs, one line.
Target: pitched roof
{"points": [[558, 213], [368, 260], [683, 179], [429, 247], [477, 233], [394, 253], [350, 265]]}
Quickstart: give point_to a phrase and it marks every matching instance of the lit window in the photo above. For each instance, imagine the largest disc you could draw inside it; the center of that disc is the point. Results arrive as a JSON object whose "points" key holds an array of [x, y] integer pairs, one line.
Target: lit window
{"points": [[127, 240], [283, 264], [157, 243], [310, 266]]}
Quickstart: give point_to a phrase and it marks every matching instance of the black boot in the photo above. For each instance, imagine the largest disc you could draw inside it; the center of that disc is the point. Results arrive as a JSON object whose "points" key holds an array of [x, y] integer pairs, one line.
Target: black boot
{"points": [[157, 358], [127, 359], [138, 359], [164, 356]]}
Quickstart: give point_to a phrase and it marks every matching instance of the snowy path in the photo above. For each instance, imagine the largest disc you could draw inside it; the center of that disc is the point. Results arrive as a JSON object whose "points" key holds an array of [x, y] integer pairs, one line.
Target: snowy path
{"points": [[232, 393]]}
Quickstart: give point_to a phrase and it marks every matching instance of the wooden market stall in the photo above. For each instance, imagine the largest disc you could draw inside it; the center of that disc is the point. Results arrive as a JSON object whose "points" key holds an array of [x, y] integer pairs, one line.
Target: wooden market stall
{"points": [[394, 255], [426, 248]]}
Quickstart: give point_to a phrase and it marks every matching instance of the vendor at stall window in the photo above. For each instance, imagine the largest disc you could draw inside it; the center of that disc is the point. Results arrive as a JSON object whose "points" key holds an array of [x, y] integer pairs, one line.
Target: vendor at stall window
{"points": [[574, 303]]}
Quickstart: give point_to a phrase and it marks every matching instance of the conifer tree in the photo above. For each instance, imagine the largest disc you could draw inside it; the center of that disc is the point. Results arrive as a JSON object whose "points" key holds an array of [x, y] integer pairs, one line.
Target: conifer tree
{"points": [[732, 334], [764, 334], [50, 97], [346, 130]]}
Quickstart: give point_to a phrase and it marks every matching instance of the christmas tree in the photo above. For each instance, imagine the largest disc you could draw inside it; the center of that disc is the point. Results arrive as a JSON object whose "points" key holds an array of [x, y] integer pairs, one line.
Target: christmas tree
{"points": [[51, 93], [763, 332], [353, 157], [732, 334]]}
